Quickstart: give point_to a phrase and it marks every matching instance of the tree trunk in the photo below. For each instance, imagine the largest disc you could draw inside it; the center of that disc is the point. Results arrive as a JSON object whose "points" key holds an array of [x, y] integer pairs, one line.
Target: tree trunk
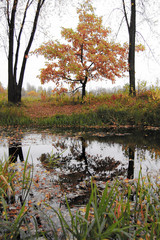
{"points": [[14, 94], [132, 38], [14, 86], [14, 90], [131, 58], [83, 91], [84, 88]]}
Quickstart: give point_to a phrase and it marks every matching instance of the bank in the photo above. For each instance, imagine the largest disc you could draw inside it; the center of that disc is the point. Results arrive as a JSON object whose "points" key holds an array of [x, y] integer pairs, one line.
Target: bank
{"points": [[122, 113]]}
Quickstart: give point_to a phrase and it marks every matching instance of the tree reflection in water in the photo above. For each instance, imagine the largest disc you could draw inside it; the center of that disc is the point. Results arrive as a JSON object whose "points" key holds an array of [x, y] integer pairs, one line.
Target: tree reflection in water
{"points": [[15, 151], [78, 167], [131, 163]]}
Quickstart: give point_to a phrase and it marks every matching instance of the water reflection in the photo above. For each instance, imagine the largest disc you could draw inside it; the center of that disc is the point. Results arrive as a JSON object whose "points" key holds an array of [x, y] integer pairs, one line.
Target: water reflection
{"points": [[15, 151], [76, 168], [73, 160], [103, 157], [130, 174]]}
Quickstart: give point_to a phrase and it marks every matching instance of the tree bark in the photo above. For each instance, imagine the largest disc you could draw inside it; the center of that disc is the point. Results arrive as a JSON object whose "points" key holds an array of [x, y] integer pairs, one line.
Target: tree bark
{"points": [[131, 58], [11, 79], [84, 88]]}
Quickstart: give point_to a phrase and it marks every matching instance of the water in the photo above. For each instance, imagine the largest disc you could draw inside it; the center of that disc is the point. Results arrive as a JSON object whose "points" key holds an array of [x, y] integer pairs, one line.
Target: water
{"points": [[65, 162], [102, 155]]}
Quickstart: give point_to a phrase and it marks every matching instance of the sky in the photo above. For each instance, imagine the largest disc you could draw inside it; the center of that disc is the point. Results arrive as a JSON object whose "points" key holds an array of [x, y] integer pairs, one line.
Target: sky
{"points": [[147, 66]]}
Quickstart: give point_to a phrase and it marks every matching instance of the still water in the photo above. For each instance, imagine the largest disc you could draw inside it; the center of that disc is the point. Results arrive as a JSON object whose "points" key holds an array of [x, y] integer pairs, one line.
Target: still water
{"points": [[102, 155]]}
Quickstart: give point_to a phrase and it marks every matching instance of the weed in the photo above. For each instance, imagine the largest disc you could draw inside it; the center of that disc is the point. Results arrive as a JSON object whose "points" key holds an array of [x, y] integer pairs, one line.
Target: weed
{"points": [[6, 178], [124, 210], [15, 227], [12, 115]]}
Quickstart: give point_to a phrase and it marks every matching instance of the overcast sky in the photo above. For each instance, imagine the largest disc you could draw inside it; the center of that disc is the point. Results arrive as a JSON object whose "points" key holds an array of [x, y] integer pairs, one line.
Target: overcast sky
{"points": [[147, 68]]}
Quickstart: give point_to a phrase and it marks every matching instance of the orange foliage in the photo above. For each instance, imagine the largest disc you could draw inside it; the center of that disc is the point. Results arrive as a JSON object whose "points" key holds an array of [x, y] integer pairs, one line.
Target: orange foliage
{"points": [[43, 95], [89, 54], [2, 90], [139, 48], [60, 91], [32, 94]]}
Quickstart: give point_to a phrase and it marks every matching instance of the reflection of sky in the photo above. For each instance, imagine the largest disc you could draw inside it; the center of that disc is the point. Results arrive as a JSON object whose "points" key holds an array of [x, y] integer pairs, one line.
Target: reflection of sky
{"points": [[45, 143]]}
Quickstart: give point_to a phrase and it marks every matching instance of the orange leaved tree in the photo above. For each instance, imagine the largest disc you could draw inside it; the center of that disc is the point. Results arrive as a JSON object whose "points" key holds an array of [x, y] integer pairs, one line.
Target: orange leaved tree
{"points": [[89, 54]]}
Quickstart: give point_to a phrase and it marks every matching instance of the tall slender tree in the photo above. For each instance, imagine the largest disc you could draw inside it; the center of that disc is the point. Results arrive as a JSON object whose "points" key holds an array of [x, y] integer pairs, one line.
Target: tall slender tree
{"points": [[16, 13], [131, 25]]}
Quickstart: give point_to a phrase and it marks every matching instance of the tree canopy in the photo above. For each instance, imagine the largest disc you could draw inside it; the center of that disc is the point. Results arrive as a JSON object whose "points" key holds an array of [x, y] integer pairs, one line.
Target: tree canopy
{"points": [[89, 55]]}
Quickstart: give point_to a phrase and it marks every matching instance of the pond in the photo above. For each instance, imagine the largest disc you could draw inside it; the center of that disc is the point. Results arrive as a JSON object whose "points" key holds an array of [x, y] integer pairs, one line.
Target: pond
{"points": [[64, 163], [77, 156]]}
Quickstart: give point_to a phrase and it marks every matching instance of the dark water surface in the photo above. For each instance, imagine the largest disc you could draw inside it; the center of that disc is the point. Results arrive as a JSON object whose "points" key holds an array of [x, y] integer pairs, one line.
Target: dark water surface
{"points": [[81, 155]]}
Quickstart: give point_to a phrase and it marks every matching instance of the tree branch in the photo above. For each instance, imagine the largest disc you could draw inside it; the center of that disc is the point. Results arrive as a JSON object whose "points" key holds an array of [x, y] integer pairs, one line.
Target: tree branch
{"points": [[8, 20], [72, 80], [11, 25], [148, 47], [39, 6], [90, 66], [82, 54], [76, 89], [125, 15], [119, 27], [19, 37]]}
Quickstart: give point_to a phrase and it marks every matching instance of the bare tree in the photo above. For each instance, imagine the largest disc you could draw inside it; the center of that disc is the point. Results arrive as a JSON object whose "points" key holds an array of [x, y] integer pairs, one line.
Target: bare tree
{"points": [[16, 14], [131, 25], [21, 21], [143, 11]]}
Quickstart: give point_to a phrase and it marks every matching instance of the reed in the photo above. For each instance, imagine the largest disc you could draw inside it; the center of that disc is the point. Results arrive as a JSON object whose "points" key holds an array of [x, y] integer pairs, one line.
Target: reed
{"points": [[124, 210], [18, 226], [6, 178]]}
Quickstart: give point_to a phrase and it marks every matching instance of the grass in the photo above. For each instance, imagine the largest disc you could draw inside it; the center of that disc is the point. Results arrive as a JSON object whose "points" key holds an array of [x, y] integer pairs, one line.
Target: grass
{"points": [[121, 211], [124, 210], [105, 116], [74, 120], [6, 178], [102, 110], [11, 115], [12, 227]]}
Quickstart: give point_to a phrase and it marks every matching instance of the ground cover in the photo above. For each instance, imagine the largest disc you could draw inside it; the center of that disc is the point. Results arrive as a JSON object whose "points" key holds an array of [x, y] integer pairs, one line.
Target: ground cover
{"points": [[104, 110]]}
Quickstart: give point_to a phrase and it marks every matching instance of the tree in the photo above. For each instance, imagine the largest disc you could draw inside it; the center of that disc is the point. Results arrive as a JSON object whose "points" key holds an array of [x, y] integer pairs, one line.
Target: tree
{"points": [[89, 55], [18, 14], [16, 24], [19, 21], [133, 47], [132, 38]]}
